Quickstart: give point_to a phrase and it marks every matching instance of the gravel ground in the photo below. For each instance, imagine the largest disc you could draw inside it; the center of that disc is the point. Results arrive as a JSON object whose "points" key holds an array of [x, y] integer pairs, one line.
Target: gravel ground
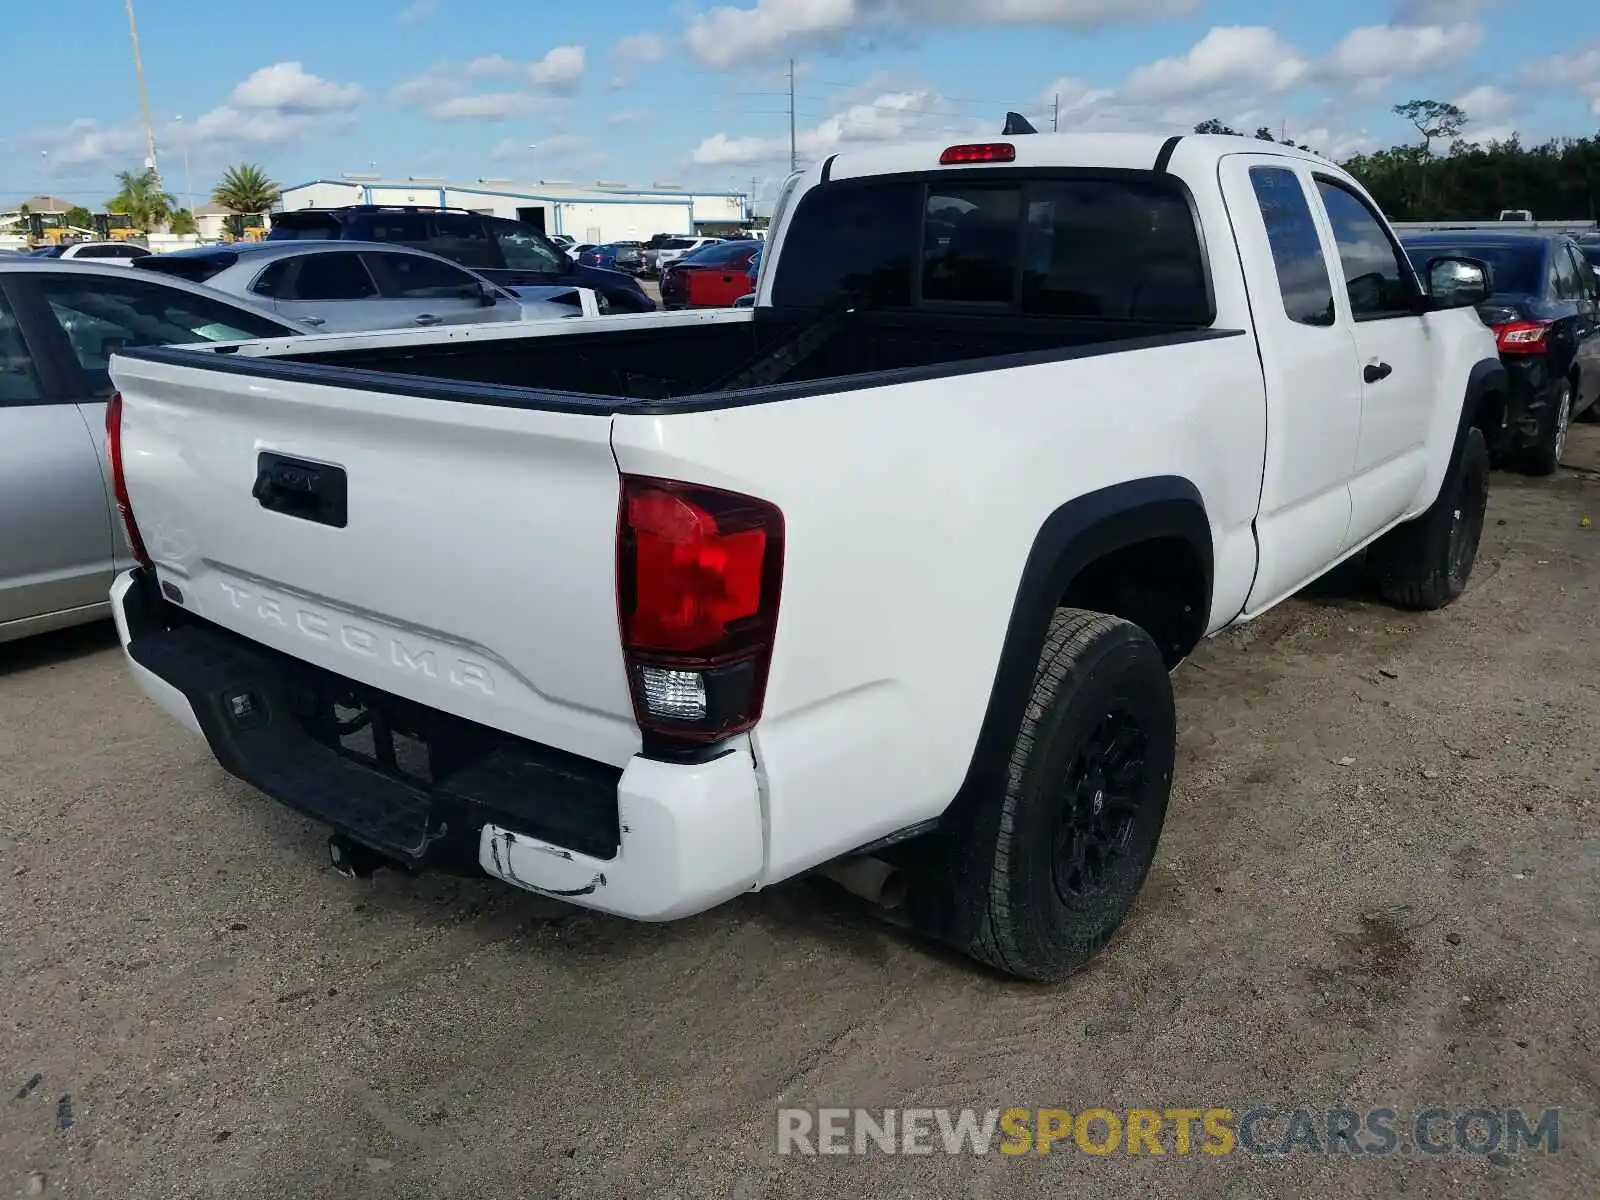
{"points": [[1377, 887]]}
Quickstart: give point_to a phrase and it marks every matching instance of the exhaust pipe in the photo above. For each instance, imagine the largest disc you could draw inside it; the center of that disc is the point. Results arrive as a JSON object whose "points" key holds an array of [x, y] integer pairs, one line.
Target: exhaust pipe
{"points": [[874, 880]]}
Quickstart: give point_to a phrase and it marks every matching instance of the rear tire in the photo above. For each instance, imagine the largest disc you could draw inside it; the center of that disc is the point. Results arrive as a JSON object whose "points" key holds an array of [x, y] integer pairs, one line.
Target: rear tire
{"points": [[1425, 563], [1544, 458], [1063, 852], [1590, 414]]}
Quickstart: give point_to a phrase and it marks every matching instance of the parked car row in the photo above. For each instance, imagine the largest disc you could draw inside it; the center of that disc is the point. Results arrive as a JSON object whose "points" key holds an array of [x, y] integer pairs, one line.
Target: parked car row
{"points": [[1544, 309], [508, 252], [713, 276], [63, 316]]}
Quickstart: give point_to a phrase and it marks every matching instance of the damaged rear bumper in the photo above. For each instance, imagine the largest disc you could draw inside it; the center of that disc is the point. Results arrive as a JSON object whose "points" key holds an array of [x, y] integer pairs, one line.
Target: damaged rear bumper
{"points": [[652, 841]]}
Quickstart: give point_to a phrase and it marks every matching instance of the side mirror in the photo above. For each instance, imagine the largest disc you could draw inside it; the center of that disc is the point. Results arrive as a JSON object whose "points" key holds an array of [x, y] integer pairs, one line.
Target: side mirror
{"points": [[1457, 282], [488, 296]]}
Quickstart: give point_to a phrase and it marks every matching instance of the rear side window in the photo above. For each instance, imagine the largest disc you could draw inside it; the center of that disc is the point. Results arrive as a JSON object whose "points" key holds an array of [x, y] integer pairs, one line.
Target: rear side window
{"points": [[414, 277], [1564, 276], [1303, 277], [318, 277], [196, 268], [1376, 274], [1122, 248], [101, 316], [287, 227], [18, 382], [409, 229], [463, 239], [524, 249]]}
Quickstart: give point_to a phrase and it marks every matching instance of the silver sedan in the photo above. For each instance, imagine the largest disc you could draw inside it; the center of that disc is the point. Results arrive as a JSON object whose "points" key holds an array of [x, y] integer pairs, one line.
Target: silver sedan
{"points": [[344, 287], [61, 539]]}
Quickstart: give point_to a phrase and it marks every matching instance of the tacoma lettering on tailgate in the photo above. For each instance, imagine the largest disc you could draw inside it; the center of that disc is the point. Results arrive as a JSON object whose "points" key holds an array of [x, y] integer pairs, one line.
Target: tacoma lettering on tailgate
{"points": [[414, 658]]}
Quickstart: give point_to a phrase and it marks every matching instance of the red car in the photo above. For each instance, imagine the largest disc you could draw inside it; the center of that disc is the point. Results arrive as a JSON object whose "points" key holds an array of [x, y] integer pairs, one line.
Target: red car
{"points": [[712, 277]]}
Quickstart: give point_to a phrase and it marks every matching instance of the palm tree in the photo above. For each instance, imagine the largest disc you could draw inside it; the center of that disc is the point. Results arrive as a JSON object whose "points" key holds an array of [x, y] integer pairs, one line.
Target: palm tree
{"points": [[246, 190], [183, 222], [141, 199]]}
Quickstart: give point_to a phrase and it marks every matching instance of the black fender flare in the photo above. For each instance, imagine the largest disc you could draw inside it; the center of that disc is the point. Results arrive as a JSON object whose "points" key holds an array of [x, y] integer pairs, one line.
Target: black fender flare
{"points": [[1487, 375], [1073, 536]]}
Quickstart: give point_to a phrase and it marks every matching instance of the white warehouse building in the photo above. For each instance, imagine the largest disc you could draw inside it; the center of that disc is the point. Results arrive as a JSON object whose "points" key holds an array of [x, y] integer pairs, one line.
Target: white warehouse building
{"points": [[601, 213]]}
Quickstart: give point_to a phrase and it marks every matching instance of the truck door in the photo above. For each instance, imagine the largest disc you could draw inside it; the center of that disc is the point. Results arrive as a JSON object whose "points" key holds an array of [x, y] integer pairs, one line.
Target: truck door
{"points": [[1313, 376], [1396, 372]]}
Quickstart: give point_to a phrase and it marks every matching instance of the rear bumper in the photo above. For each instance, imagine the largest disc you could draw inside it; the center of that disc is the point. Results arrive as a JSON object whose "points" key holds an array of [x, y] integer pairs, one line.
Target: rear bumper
{"points": [[652, 841]]}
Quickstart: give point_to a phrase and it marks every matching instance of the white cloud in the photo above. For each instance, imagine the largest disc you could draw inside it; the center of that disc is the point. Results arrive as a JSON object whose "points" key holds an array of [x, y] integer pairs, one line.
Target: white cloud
{"points": [[1438, 12], [559, 70], [482, 106], [1381, 52], [642, 47], [1579, 68], [889, 117], [1225, 60], [727, 35], [492, 64], [417, 10], [444, 91], [287, 87], [569, 146], [1484, 105]]}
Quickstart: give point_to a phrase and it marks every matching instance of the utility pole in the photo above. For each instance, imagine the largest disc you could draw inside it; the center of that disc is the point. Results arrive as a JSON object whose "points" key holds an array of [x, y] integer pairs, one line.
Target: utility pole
{"points": [[794, 156], [1055, 115], [144, 98]]}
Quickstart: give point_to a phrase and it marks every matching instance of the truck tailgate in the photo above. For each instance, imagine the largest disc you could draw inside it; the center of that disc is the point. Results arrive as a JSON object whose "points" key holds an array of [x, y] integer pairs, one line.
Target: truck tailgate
{"points": [[470, 566]]}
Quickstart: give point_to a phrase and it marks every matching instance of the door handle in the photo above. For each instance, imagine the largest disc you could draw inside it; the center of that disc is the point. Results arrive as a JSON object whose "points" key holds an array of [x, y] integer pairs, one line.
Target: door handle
{"points": [[429, 319], [314, 320], [298, 488], [1373, 372]]}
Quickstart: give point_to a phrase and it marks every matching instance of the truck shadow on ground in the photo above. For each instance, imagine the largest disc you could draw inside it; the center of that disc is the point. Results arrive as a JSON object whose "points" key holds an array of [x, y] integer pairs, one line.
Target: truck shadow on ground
{"points": [[48, 650]]}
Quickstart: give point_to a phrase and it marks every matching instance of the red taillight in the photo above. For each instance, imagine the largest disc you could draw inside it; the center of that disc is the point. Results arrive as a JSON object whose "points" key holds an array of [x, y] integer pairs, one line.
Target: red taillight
{"points": [[698, 576], [978, 152], [119, 481], [1522, 337]]}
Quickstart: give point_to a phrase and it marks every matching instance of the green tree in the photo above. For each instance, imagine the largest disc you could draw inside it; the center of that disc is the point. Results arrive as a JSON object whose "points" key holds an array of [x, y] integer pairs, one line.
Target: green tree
{"points": [[246, 189], [1215, 126], [1266, 135], [1433, 119], [141, 199], [183, 222], [80, 217]]}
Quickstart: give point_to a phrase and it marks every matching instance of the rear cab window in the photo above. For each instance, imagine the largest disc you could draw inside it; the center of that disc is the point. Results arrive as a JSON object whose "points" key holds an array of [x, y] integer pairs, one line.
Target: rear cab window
{"points": [[1085, 244]]}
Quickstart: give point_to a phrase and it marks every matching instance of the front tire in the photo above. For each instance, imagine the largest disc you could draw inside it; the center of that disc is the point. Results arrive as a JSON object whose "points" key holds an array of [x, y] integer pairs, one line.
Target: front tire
{"points": [[1425, 563], [1066, 847]]}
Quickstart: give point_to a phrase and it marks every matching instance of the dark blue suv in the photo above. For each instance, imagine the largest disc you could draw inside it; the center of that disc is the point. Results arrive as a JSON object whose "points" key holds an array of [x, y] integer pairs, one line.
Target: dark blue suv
{"points": [[509, 252]]}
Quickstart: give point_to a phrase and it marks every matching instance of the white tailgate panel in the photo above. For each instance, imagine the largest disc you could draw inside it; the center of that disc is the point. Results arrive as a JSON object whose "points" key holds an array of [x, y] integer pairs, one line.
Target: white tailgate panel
{"points": [[476, 572]]}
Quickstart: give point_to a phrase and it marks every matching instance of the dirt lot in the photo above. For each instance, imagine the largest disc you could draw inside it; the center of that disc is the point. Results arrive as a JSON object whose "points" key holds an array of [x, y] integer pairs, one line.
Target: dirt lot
{"points": [[1377, 888]]}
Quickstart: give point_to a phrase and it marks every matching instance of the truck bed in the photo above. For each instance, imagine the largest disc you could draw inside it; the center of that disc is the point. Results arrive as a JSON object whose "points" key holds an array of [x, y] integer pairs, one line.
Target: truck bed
{"points": [[779, 352]]}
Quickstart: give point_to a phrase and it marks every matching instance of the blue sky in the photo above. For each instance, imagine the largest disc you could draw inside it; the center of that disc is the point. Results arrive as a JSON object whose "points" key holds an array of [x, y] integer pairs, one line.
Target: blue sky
{"points": [[694, 92]]}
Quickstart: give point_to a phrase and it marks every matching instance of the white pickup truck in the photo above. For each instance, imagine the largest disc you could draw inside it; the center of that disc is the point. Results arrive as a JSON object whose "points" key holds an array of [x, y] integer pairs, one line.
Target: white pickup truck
{"points": [[884, 575]]}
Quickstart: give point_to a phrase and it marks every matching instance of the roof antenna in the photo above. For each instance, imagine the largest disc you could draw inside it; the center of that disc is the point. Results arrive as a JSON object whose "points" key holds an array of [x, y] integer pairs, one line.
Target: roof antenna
{"points": [[1016, 124]]}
